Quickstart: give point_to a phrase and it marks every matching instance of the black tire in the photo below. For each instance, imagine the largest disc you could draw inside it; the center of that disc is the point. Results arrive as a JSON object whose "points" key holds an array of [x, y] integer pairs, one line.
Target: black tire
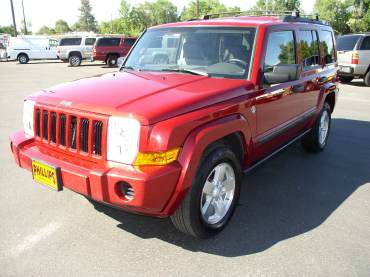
{"points": [[311, 142], [75, 60], [112, 60], [23, 58], [346, 79], [367, 79], [188, 217]]}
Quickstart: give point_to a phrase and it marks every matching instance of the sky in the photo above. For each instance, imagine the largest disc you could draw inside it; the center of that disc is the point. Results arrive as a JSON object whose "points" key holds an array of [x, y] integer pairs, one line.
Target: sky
{"points": [[46, 12]]}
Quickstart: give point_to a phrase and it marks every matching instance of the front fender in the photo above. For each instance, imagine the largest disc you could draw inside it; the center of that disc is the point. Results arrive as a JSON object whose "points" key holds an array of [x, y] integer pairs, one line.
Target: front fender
{"points": [[194, 147]]}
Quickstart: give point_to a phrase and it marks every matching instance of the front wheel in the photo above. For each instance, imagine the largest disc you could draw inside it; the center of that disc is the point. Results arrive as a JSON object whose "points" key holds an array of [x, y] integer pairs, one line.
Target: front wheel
{"points": [[213, 195], [316, 140]]}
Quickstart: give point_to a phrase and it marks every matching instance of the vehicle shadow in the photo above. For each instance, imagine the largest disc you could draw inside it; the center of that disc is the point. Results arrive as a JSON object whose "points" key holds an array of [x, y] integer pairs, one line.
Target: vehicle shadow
{"points": [[41, 62], [291, 194], [357, 83]]}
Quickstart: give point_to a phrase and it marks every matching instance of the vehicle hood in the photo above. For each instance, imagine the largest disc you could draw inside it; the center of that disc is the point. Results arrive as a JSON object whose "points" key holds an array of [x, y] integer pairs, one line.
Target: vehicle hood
{"points": [[149, 97]]}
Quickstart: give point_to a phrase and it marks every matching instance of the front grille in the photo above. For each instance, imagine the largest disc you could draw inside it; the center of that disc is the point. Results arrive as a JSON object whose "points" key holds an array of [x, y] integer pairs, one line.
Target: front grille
{"points": [[71, 132]]}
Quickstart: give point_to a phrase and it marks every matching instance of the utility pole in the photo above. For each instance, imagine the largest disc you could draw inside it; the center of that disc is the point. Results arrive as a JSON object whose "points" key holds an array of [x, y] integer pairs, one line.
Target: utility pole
{"points": [[14, 25], [198, 9], [24, 20]]}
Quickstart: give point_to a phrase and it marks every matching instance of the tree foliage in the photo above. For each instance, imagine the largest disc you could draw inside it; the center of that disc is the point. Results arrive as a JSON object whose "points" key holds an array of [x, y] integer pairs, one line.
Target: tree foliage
{"points": [[87, 21], [205, 7], [278, 5], [7, 29], [61, 27], [45, 30]]}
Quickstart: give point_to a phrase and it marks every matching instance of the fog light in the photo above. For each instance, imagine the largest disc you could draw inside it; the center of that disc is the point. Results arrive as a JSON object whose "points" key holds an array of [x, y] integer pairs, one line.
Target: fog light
{"points": [[126, 191]]}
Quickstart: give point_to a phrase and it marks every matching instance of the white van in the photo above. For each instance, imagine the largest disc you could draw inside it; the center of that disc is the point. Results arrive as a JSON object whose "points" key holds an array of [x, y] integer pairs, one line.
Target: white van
{"points": [[28, 48]]}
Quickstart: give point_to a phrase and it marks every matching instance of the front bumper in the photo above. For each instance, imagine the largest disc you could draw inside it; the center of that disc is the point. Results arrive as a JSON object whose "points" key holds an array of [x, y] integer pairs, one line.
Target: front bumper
{"points": [[153, 185]]}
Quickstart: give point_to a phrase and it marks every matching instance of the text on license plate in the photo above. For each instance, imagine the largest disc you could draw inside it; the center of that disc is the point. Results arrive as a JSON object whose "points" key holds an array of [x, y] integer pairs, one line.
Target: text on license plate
{"points": [[45, 174]]}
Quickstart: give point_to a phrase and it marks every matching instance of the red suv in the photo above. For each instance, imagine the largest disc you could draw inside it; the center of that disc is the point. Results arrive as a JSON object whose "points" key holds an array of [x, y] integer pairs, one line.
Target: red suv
{"points": [[194, 106], [109, 49]]}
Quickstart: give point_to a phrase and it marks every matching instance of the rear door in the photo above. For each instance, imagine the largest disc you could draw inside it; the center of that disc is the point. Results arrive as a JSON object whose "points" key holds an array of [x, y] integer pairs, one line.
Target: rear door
{"points": [[87, 48]]}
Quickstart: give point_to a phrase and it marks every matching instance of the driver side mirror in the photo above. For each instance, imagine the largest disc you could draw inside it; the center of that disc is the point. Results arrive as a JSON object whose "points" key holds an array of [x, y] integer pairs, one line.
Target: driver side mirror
{"points": [[282, 73]]}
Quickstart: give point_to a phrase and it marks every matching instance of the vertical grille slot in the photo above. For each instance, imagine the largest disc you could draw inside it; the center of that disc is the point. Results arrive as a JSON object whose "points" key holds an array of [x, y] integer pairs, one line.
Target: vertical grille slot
{"points": [[84, 135], [53, 134], [73, 132], [97, 135], [62, 129], [38, 122], [45, 122]]}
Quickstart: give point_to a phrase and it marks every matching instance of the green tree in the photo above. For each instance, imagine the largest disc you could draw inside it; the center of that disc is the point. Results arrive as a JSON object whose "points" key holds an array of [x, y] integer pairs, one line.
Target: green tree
{"points": [[45, 30], [87, 21], [205, 7], [7, 29], [278, 5], [360, 16], [61, 27], [335, 12]]}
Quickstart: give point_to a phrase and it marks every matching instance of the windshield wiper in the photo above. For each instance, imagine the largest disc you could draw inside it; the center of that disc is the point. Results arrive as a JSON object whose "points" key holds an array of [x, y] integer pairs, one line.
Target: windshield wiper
{"points": [[184, 70], [126, 67]]}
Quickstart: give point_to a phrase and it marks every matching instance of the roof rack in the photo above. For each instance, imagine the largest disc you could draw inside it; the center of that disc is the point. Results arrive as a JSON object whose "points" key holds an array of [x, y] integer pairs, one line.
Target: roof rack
{"points": [[287, 16]]}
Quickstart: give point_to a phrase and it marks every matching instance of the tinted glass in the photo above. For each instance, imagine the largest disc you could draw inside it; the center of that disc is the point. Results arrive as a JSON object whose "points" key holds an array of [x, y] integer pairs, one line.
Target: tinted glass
{"points": [[129, 41], [309, 48], [365, 45], [70, 41], [108, 42], [347, 43], [90, 41], [223, 52], [280, 50], [327, 45]]}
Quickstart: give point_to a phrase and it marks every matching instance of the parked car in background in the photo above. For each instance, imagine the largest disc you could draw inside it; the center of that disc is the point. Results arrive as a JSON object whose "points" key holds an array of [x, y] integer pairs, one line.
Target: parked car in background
{"points": [[354, 57], [26, 48], [109, 49], [75, 49], [172, 137]]}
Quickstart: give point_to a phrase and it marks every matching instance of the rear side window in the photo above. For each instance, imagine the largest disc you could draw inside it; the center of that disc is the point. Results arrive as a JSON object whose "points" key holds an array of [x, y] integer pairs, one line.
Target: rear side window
{"points": [[129, 41], [108, 42], [70, 41], [347, 43], [309, 49], [280, 50], [365, 45], [90, 41], [326, 39]]}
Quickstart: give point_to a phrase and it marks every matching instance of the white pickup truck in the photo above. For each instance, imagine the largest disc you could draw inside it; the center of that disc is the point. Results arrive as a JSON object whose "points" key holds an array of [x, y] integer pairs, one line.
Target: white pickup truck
{"points": [[24, 49]]}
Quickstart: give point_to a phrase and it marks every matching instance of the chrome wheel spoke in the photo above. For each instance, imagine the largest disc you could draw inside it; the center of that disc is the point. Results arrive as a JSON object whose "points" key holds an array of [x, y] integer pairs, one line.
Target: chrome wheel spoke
{"points": [[208, 188]]}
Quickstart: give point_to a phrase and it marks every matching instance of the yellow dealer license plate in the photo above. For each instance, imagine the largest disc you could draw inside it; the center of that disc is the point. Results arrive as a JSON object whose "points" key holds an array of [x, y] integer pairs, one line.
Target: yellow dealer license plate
{"points": [[46, 175]]}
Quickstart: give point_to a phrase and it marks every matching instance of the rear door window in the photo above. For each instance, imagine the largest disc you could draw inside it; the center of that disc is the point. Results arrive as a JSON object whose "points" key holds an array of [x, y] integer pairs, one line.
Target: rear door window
{"points": [[108, 42], [309, 49], [129, 41], [327, 45], [90, 41], [347, 43], [70, 41], [365, 45]]}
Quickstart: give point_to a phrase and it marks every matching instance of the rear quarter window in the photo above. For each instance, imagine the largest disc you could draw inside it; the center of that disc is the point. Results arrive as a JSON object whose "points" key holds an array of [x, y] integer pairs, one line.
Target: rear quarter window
{"points": [[129, 41], [70, 41], [365, 45], [327, 46], [90, 41], [309, 48], [347, 43]]}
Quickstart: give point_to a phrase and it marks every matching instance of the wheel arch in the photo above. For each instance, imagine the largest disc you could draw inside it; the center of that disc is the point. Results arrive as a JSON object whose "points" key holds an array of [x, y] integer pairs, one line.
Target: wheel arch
{"points": [[22, 53], [71, 53], [233, 131]]}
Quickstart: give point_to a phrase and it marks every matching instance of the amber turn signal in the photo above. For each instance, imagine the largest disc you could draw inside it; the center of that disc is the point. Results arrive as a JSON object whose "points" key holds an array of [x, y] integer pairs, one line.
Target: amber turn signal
{"points": [[157, 158]]}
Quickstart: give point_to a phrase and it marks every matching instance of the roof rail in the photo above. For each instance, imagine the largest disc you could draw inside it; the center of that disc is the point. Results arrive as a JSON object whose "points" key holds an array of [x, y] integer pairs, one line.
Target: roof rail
{"points": [[287, 16]]}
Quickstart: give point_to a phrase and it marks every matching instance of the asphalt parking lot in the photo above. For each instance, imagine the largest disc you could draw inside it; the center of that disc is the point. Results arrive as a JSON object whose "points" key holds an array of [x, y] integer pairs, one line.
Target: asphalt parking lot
{"points": [[299, 214]]}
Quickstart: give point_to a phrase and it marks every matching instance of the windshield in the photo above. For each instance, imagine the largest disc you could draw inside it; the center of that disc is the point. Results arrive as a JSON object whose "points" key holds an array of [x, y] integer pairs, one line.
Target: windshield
{"points": [[216, 52], [347, 43]]}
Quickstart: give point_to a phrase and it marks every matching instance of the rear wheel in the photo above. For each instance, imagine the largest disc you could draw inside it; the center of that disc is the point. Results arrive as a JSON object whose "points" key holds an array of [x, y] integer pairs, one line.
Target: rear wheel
{"points": [[213, 195], [75, 60], [346, 79], [316, 140], [23, 59], [367, 79], [112, 60]]}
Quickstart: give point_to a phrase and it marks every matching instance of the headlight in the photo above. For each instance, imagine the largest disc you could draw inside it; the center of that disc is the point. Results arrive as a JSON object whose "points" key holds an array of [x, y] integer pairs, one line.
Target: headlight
{"points": [[123, 139], [28, 107]]}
